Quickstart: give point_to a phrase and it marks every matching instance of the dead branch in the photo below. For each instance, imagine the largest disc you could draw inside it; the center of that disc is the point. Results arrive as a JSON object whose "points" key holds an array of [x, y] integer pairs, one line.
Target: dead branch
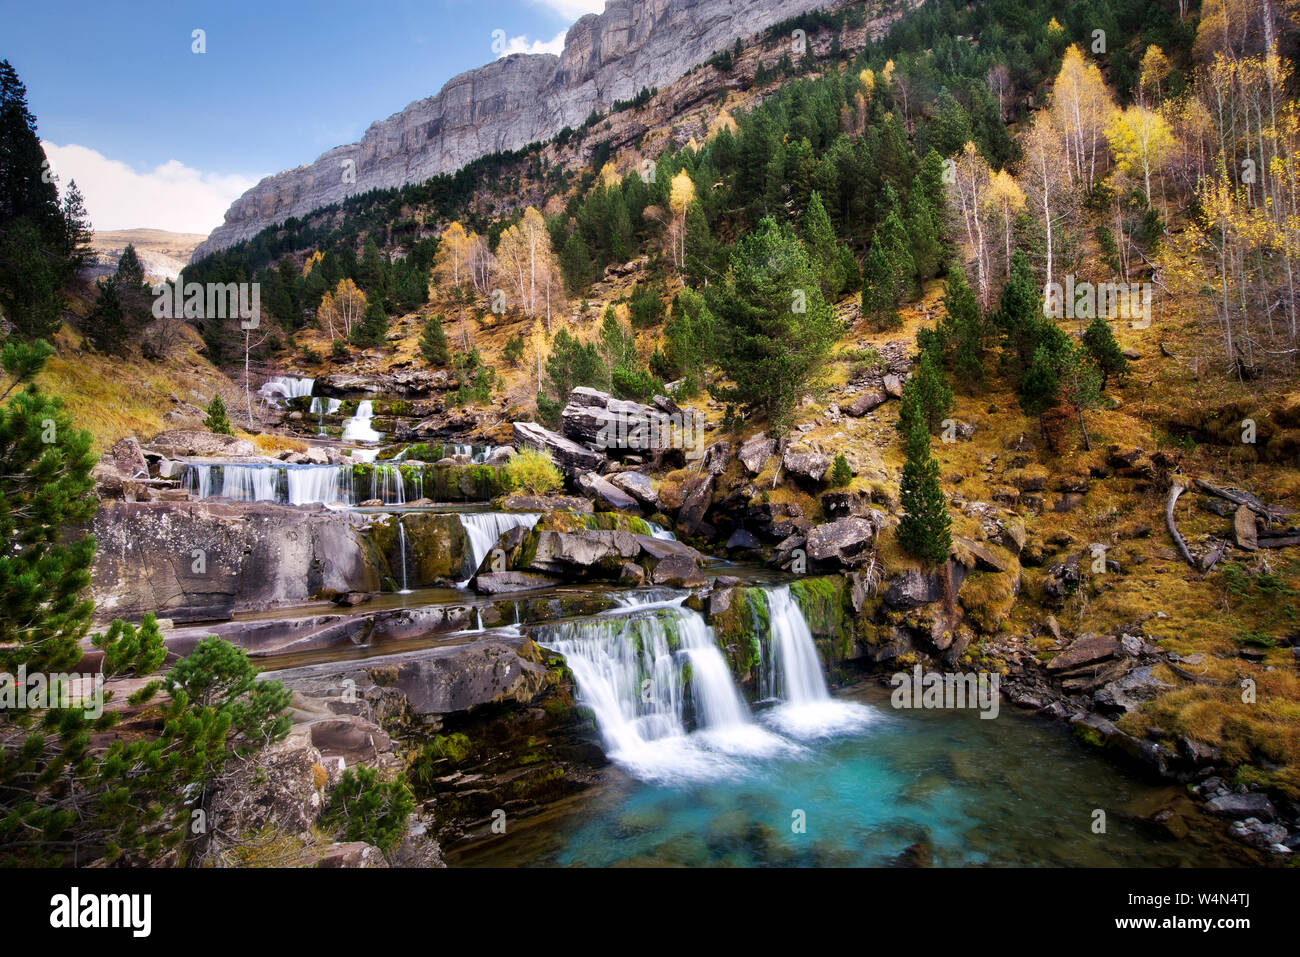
{"points": [[1175, 491]]}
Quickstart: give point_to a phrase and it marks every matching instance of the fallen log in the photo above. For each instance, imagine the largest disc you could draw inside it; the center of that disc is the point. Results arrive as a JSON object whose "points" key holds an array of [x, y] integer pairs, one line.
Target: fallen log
{"points": [[1174, 491], [1280, 542], [1256, 505]]}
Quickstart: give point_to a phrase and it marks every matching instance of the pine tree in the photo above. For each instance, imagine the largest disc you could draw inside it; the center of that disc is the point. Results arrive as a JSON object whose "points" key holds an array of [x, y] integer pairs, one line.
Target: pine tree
{"points": [[933, 395], [1100, 343], [77, 231], [433, 342], [878, 303], [964, 329], [373, 327], [1020, 310], [819, 239], [775, 325], [216, 420], [106, 323], [925, 529], [514, 350]]}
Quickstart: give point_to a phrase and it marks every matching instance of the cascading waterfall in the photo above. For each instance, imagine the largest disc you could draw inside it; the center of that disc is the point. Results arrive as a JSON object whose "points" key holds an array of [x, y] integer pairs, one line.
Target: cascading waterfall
{"points": [[791, 672], [282, 387], [286, 484], [358, 428], [638, 667], [401, 547], [484, 528], [387, 485], [321, 407]]}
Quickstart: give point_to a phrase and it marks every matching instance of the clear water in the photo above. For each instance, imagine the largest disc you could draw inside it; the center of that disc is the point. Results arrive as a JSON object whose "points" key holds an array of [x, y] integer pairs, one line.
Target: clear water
{"points": [[1014, 791]]}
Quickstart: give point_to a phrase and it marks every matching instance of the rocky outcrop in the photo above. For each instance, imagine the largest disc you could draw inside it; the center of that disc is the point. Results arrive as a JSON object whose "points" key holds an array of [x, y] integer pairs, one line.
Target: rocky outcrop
{"points": [[181, 442], [521, 99], [571, 457], [200, 561]]}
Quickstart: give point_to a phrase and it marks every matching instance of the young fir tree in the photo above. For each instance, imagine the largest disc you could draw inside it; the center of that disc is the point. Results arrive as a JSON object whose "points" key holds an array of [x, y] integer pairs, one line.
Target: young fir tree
{"points": [[964, 329], [819, 239], [433, 342], [841, 474], [776, 327], [216, 420], [513, 353], [1020, 312], [1100, 343], [106, 323], [933, 396], [925, 529], [373, 326]]}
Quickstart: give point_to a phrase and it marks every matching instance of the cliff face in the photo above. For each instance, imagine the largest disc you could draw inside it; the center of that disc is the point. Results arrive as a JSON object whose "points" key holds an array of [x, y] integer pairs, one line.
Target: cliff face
{"points": [[510, 103]]}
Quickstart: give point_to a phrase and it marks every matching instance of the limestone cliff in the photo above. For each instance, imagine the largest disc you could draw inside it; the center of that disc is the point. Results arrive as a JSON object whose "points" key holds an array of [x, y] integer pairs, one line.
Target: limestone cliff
{"points": [[510, 103]]}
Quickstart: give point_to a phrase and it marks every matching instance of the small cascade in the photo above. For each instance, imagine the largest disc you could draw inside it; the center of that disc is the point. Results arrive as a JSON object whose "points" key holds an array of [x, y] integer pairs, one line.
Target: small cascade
{"points": [[321, 407], [638, 671], [281, 388], [658, 531], [286, 484], [790, 670], [309, 485], [485, 528], [401, 547], [358, 428], [387, 485]]}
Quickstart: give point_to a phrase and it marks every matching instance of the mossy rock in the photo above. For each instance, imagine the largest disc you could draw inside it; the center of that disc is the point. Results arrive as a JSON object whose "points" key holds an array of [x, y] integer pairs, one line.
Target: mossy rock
{"points": [[988, 597]]}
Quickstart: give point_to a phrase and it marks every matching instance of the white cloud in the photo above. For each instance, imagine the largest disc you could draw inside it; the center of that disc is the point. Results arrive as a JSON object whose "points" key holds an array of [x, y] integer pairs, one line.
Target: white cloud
{"points": [[522, 44], [572, 9], [172, 196]]}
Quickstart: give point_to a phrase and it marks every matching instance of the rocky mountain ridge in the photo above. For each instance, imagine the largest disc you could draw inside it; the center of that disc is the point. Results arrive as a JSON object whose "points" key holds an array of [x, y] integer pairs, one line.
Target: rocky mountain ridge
{"points": [[514, 101]]}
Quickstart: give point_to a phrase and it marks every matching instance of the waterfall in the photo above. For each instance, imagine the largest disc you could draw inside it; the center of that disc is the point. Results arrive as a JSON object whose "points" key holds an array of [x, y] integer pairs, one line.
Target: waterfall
{"points": [[484, 528], [358, 428], [387, 485], [286, 484], [322, 407], [281, 387], [401, 547], [638, 670], [658, 531], [791, 671], [795, 669]]}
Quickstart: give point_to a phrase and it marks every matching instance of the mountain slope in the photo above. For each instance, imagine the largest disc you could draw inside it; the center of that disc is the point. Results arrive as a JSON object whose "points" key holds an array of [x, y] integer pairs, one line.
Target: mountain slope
{"points": [[510, 103]]}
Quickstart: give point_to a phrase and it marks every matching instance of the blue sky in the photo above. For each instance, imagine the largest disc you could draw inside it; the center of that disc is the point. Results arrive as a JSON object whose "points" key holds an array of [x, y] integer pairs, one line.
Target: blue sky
{"points": [[157, 135]]}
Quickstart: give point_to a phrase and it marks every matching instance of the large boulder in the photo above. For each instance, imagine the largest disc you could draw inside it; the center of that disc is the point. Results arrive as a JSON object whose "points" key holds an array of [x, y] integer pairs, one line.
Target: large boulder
{"points": [[572, 458], [561, 552], [756, 451], [847, 541], [805, 464], [866, 402], [913, 587], [1085, 650], [618, 426], [184, 442], [696, 498], [639, 486], [606, 493]]}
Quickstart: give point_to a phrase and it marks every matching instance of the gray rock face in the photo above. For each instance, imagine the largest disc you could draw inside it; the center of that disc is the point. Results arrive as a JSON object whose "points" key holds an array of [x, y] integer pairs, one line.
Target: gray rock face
{"points": [[1242, 806], [847, 540], [639, 486], [571, 457], [616, 426], [510, 103], [755, 453], [806, 465], [181, 442], [198, 561], [606, 493]]}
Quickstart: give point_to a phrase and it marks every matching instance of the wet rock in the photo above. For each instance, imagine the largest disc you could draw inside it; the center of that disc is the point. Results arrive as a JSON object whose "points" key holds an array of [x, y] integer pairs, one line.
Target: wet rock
{"points": [[1258, 833], [497, 583], [563, 552], [352, 598], [696, 498], [677, 571], [742, 540], [631, 575], [522, 502], [912, 587], [1243, 805]]}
